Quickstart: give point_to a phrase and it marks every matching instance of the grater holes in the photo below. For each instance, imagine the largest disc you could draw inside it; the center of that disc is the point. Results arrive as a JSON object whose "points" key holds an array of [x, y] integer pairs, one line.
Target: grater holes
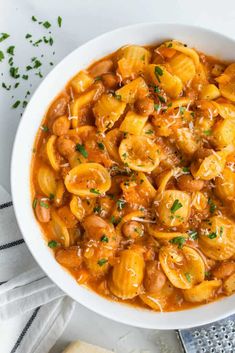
{"points": [[199, 342]]}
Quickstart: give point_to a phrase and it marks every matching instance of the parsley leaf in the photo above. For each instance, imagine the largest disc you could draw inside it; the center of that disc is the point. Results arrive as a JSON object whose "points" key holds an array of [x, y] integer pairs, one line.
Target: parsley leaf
{"points": [[158, 72], [193, 234], [47, 24], [10, 50], [37, 64], [14, 72], [188, 276], [43, 204], [121, 204], [212, 235], [1, 56], [208, 132], [34, 19], [59, 20], [82, 150], [178, 241], [3, 36], [52, 244], [212, 205], [102, 262], [104, 239], [100, 145], [95, 191], [176, 206], [16, 104]]}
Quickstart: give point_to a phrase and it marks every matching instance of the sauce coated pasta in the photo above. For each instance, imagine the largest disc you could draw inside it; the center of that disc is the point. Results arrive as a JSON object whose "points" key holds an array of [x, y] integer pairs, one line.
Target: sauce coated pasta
{"points": [[133, 177]]}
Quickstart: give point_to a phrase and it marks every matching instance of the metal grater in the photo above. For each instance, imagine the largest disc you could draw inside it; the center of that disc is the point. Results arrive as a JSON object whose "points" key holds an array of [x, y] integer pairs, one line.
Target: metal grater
{"points": [[218, 337]]}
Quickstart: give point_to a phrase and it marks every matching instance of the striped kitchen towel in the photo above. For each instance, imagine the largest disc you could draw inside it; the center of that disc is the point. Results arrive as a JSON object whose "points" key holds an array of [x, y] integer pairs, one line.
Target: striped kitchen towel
{"points": [[25, 290]]}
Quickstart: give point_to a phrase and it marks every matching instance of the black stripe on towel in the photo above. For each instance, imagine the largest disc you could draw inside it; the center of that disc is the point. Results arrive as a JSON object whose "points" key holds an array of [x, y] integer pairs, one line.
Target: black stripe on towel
{"points": [[4, 205], [24, 331], [10, 245]]}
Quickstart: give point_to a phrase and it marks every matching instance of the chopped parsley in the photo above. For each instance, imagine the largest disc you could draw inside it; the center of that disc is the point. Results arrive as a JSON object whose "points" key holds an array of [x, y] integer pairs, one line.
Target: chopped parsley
{"points": [[24, 103], [212, 205], [35, 201], [212, 235], [149, 132], [95, 191], [97, 78], [176, 206], [1, 56], [178, 241], [100, 145], [52, 244], [34, 19], [14, 72], [188, 276], [37, 64], [169, 45], [120, 204], [182, 110], [25, 77], [157, 106], [97, 209], [43, 204], [11, 49], [5, 86], [102, 262], [3, 36], [117, 96], [115, 221], [158, 72], [162, 99], [185, 169], [27, 36], [207, 132], [82, 150], [28, 68], [51, 196], [193, 234], [104, 239], [16, 84], [46, 24], [59, 20], [16, 104], [124, 155], [157, 89], [207, 274]]}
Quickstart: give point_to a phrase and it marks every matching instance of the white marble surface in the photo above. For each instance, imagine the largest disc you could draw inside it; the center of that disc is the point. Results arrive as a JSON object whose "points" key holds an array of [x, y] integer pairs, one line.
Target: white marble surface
{"points": [[83, 20]]}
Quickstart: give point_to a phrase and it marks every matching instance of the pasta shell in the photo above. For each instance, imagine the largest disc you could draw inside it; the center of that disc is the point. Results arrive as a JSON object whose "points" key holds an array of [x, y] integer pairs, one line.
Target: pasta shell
{"points": [[217, 238], [209, 92], [59, 230], [130, 92], [76, 208], [159, 301], [154, 231], [229, 284], [199, 201], [107, 111], [223, 133], [185, 50], [158, 75], [227, 83], [51, 152], [173, 208], [81, 82], [183, 267], [202, 292], [186, 141], [183, 67], [127, 275], [140, 153], [133, 123], [225, 185], [112, 141], [83, 100], [47, 181], [210, 167], [88, 179], [132, 60], [226, 110]]}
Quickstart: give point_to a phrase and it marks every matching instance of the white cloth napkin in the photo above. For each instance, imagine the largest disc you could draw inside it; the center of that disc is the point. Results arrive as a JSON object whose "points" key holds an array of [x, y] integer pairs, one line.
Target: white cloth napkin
{"points": [[25, 290]]}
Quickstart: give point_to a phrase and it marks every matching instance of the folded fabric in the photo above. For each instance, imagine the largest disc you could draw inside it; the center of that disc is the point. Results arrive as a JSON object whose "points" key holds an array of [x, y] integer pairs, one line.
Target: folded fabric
{"points": [[25, 290]]}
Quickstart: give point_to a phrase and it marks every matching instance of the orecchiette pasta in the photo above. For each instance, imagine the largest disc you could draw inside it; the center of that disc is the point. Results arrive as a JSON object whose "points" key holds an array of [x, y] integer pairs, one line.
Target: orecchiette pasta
{"points": [[133, 176]]}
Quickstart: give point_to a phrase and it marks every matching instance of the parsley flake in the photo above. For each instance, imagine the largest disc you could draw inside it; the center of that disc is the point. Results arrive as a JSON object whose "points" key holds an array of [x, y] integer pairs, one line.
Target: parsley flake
{"points": [[102, 262], [47, 24], [4, 36], [176, 206], [104, 239], [82, 150], [158, 72], [59, 20], [1, 56], [95, 191], [188, 277], [100, 145], [11, 49], [16, 104], [52, 244], [178, 241]]}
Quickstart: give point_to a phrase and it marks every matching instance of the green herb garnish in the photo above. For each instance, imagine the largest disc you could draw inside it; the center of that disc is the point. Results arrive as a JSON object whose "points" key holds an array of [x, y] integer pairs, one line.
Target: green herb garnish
{"points": [[43, 204], [97, 209], [185, 169], [207, 132], [45, 128], [193, 234], [104, 239], [82, 150], [162, 99], [178, 241], [16, 104], [59, 20], [10, 50], [52, 244], [5, 86], [14, 72], [37, 64], [95, 191], [212, 205], [157, 89], [188, 277], [149, 132], [212, 235], [1, 56], [176, 206], [25, 77], [35, 201], [27, 36], [102, 262], [158, 72], [115, 221], [46, 24], [100, 145], [34, 19], [121, 204], [4, 36]]}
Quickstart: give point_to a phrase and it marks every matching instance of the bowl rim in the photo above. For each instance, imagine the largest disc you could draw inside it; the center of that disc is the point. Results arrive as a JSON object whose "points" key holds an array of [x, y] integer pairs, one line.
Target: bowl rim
{"points": [[118, 312]]}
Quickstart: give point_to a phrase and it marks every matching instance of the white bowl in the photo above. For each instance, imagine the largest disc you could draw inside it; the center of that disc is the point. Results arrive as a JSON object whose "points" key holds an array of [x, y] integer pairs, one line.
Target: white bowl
{"points": [[204, 40]]}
